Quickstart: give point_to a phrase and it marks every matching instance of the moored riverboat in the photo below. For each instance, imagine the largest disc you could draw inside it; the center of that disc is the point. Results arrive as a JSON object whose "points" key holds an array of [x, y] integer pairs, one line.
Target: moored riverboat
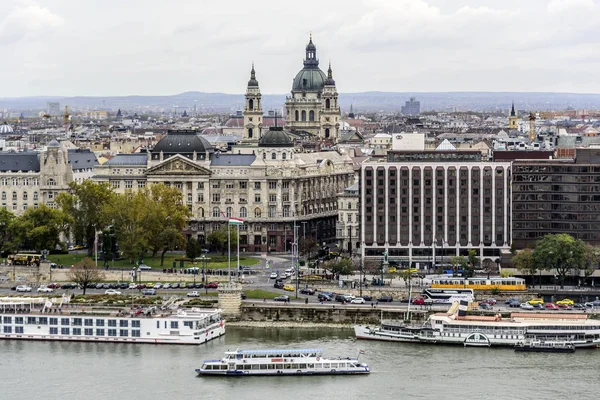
{"points": [[42, 319], [281, 362], [545, 347], [456, 327]]}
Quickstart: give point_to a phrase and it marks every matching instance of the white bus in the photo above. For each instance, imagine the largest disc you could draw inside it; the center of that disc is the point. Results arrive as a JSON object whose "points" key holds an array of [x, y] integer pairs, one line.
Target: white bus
{"points": [[447, 295]]}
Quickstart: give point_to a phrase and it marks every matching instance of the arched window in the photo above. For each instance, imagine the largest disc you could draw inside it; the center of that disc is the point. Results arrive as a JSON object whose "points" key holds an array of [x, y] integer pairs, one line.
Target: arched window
{"points": [[257, 212], [215, 212], [243, 212], [35, 196], [283, 156], [251, 105], [24, 195], [14, 195], [326, 132], [303, 115], [250, 133], [51, 182], [273, 156], [229, 212], [327, 104], [349, 206], [311, 115], [297, 118]]}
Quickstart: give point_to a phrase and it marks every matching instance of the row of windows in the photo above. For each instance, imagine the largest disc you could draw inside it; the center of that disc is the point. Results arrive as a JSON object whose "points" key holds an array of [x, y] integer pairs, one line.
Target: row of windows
{"points": [[68, 321], [25, 196], [86, 332], [19, 182], [128, 184]]}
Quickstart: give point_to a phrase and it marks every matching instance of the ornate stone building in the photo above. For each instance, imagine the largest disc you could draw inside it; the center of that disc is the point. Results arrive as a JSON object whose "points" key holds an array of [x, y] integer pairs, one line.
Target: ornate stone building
{"points": [[253, 113], [28, 179], [270, 186]]}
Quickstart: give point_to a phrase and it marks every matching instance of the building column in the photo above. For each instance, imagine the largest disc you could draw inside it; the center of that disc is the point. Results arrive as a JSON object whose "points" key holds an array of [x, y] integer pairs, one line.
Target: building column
{"points": [[469, 190]]}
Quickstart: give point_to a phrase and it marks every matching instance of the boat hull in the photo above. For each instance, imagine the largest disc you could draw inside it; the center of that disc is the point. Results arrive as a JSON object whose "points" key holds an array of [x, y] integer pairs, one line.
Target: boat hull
{"points": [[544, 350], [362, 371]]}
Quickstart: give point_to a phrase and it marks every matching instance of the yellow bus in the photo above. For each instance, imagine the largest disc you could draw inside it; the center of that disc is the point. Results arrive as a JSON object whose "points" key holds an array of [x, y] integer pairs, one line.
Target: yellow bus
{"points": [[24, 259], [504, 284]]}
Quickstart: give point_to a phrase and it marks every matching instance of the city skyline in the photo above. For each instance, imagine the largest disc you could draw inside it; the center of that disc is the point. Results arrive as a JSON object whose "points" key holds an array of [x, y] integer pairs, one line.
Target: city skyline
{"points": [[158, 48]]}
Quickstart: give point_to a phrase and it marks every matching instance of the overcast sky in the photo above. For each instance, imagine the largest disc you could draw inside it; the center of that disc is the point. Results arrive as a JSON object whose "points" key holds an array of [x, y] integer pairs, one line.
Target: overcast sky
{"points": [[158, 47]]}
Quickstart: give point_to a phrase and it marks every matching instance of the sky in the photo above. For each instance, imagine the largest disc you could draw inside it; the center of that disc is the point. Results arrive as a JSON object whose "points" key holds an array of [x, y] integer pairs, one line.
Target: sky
{"points": [[162, 47]]}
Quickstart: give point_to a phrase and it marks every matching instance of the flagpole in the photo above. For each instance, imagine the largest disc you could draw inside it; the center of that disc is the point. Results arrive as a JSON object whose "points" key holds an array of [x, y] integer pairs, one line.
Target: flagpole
{"points": [[238, 248], [229, 250]]}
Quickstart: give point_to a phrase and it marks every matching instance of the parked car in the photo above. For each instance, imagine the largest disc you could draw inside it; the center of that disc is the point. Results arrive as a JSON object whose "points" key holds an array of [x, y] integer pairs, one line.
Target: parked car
{"points": [[149, 292], [54, 286], [485, 306], [167, 286], [538, 306], [23, 288], [205, 251], [578, 306], [175, 285], [340, 298], [526, 306], [112, 292], [45, 289], [515, 304], [68, 286], [307, 291], [193, 294], [199, 285], [385, 299], [367, 298], [491, 301], [144, 267], [212, 285], [282, 298], [274, 275], [323, 297], [190, 285], [123, 285], [568, 302], [565, 306], [536, 301], [551, 306], [512, 299], [357, 300], [278, 285], [157, 286]]}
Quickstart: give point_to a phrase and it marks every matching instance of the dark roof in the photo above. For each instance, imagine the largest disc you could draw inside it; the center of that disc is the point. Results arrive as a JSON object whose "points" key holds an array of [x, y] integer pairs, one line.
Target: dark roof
{"points": [[309, 79], [23, 161], [275, 137], [237, 160], [128, 159], [82, 158], [183, 142]]}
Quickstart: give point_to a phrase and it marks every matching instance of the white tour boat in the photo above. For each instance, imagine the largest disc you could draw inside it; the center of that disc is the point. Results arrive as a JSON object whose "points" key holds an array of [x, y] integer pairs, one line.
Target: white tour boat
{"points": [[39, 318], [456, 327], [282, 362]]}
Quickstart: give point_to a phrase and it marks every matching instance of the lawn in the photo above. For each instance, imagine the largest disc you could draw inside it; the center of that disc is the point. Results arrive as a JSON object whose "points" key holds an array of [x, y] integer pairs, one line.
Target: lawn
{"points": [[215, 261]]}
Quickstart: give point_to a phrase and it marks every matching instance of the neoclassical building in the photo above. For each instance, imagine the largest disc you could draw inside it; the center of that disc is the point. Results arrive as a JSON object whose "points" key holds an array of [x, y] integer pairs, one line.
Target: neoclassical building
{"points": [[270, 186], [28, 179]]}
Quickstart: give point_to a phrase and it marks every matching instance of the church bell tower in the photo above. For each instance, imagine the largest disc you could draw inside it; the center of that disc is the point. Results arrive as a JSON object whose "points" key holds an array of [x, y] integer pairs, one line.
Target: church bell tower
{"points": [[253, 113]]}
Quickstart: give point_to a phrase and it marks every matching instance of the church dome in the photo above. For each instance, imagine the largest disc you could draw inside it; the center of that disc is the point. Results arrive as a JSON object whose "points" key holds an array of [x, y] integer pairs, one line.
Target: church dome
{"points": [[275, 137], [183, 142], [5, 128], [310, 78], [54, 143]]}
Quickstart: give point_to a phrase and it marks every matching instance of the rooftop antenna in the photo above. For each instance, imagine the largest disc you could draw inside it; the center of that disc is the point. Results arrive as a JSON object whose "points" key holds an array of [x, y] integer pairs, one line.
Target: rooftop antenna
{"points": [[275, 118]]}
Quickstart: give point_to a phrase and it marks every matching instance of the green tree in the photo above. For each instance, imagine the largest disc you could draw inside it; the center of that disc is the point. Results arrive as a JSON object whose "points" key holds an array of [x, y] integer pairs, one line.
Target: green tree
{"points": [[459, 263], [591, 258], [219, 238], [193, 249], [39, 228], [166, 218], [85, 272], [560, 252], [7, 219], [128, 213], [86, 204], [307, 246], [342, 267], [525, 262], [472, 263]]}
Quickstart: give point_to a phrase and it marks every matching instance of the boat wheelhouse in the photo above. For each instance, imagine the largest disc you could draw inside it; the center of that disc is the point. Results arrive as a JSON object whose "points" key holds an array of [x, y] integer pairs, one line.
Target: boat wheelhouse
{"points": [[281, 362], [21, 318]]}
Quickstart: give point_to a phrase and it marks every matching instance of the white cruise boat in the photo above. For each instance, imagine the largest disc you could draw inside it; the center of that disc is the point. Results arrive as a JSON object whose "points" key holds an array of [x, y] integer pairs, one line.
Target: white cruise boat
{"points": [[473, 330], [25, 318], [281, 362]]}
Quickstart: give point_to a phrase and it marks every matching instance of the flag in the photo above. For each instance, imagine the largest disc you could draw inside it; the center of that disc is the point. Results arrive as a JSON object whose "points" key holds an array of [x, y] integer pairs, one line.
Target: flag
{"points": [[235, 221], [48, 303], [361, 352]]}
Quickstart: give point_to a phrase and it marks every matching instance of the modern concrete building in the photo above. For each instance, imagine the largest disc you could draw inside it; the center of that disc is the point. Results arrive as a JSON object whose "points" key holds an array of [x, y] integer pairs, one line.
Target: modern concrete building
{"points": [[427, 207], [557, 196]]}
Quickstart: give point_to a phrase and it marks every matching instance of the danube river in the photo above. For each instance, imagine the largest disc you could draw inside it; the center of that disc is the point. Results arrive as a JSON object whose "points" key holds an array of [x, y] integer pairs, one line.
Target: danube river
{"points": [[52, 370]]}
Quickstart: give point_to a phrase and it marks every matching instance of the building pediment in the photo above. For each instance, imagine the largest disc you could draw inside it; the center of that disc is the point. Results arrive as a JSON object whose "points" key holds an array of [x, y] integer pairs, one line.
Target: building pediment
{"points": [[177, 165]]}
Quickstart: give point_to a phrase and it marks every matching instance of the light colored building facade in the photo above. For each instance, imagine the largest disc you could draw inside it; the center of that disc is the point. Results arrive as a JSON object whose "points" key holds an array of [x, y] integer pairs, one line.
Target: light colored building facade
{"points": [[348, 225], [269, 186]]}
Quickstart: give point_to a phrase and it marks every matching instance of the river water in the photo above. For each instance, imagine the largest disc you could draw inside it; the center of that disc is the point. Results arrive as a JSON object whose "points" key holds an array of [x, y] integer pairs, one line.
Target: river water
{"points": [[53, 370]]}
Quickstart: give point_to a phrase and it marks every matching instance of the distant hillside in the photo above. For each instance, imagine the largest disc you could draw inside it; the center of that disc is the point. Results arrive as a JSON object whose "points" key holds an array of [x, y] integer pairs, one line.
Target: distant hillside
{"points": [[362, 102]]}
